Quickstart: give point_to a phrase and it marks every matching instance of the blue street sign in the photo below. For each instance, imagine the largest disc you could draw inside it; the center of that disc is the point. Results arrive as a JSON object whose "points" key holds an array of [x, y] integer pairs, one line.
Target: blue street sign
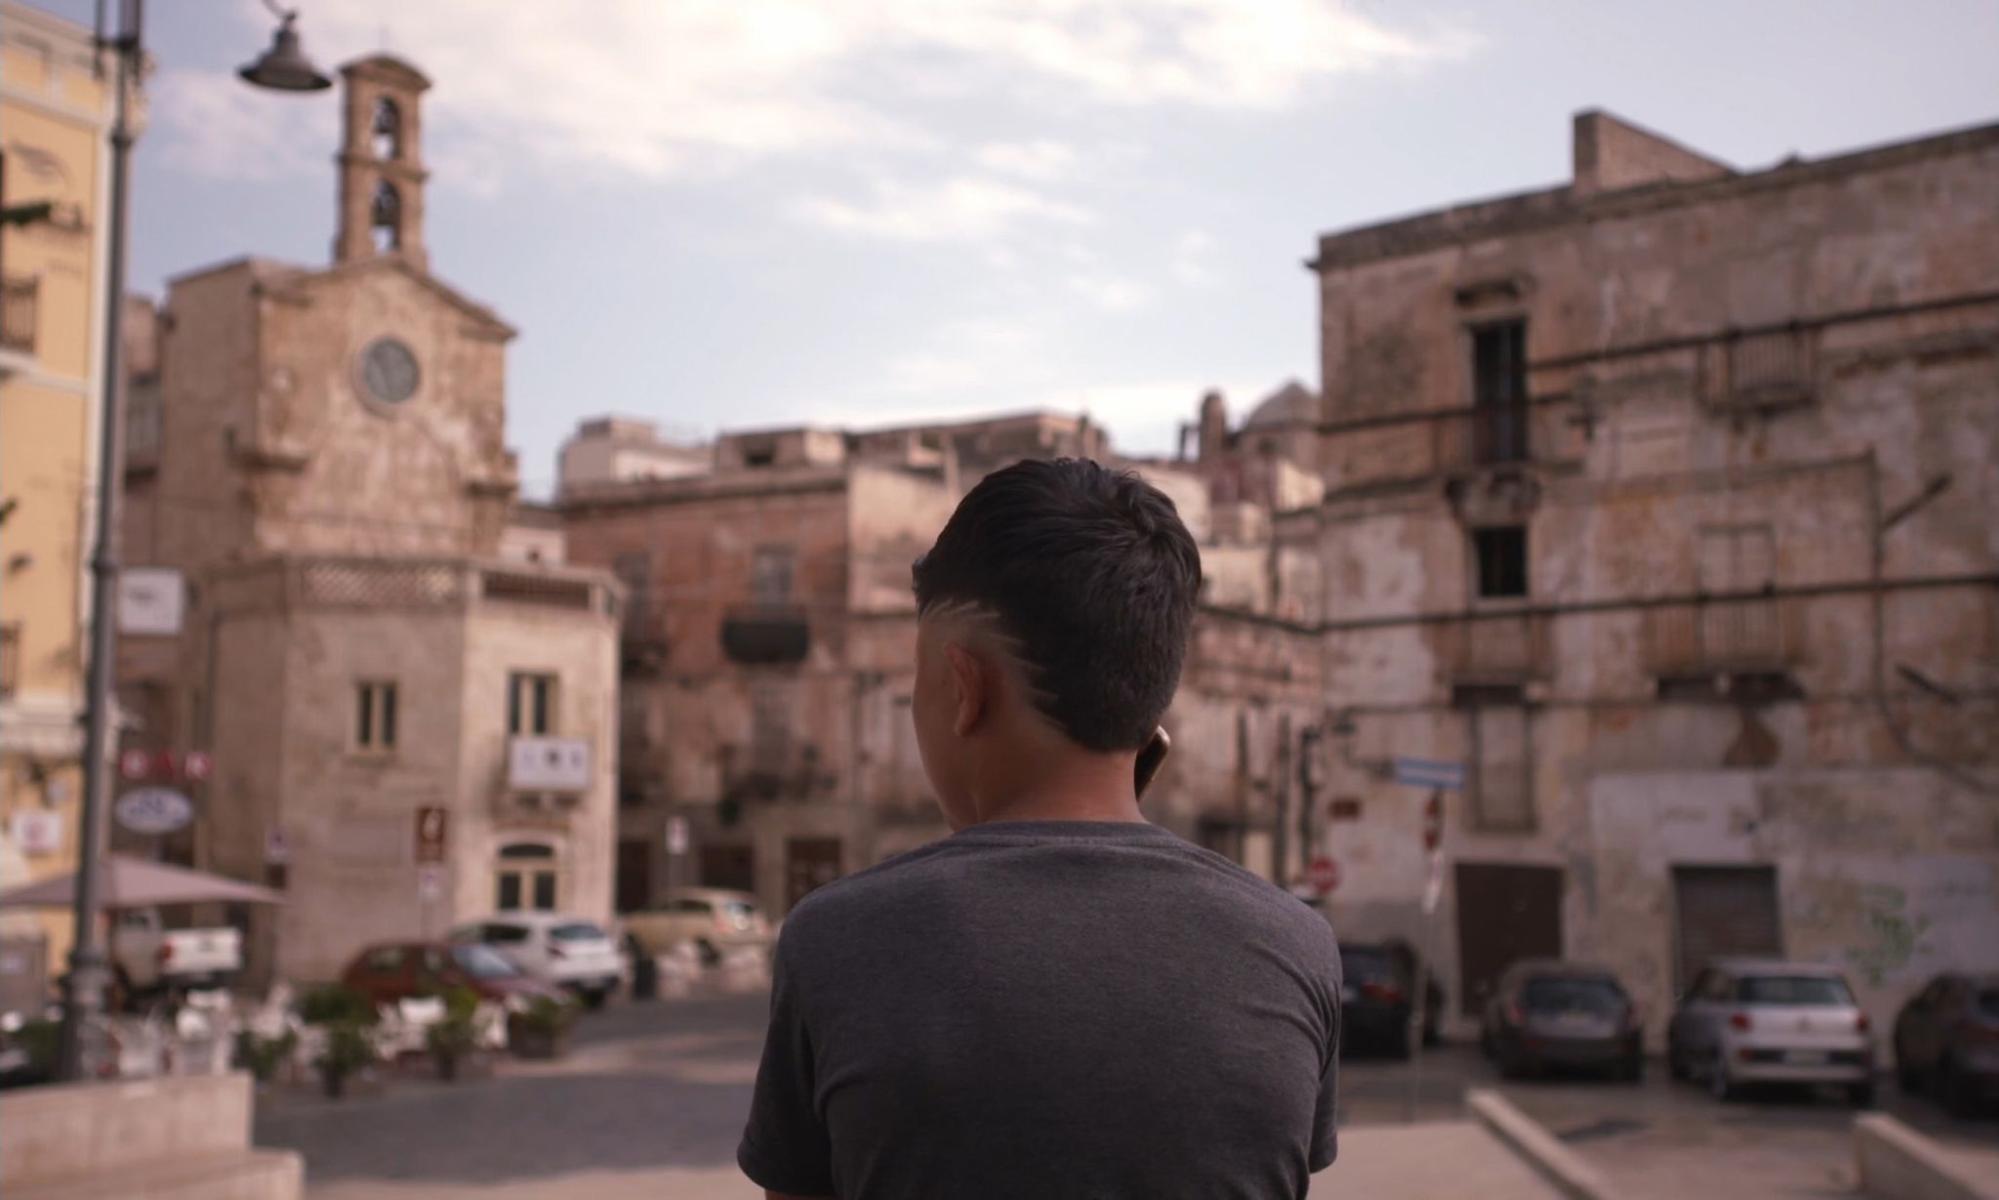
{"points": [[1430, 773]]}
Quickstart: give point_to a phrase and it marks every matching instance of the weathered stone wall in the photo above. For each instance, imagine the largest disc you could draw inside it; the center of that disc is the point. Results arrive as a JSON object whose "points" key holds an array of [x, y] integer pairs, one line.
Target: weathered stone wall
{"points": [[1652, 486]]}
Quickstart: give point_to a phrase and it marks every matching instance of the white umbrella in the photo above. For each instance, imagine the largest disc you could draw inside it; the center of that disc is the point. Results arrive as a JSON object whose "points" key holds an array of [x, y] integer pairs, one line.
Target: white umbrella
{"points": [[136, 883]]}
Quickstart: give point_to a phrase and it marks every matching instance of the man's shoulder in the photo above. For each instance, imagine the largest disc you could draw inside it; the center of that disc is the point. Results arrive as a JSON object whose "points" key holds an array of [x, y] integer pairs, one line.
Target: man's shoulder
{"points": [[851, 895]]}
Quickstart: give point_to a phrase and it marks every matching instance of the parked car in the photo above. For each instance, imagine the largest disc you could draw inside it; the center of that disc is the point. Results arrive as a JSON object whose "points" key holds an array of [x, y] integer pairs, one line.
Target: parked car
{"points": [[1748, 1021], [147, 956], [394, 971], [1548, 1013], [1378, 981], [1947, 1041], [569, 952], [709, 919]]}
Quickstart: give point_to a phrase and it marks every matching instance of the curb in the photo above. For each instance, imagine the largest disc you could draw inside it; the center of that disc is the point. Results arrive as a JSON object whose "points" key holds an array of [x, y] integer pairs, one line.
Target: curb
{"points": [[1556, 1163], [1897, 1163]]}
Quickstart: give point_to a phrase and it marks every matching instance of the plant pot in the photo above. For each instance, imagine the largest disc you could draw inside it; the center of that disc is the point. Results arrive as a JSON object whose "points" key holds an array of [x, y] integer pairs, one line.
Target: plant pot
{"points": [[537, 1043]]}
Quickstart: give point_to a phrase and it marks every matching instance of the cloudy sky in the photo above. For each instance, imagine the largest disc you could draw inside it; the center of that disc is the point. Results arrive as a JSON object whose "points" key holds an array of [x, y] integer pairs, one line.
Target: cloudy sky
{"points": [[736, 212]]}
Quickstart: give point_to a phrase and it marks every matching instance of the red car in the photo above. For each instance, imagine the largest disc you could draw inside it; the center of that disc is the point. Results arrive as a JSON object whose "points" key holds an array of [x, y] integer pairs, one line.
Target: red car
{"points": [[393, 971]]}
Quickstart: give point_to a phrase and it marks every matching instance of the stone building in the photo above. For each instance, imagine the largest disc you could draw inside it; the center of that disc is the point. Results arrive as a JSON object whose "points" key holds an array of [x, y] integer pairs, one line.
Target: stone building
{"points": [[410, 704], [768, 642], [1662, 501], [55, 118]]}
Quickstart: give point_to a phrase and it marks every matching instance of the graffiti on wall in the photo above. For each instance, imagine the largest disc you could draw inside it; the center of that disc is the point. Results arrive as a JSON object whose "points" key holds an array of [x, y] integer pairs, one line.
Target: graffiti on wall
{"points": [[1891, 935]]}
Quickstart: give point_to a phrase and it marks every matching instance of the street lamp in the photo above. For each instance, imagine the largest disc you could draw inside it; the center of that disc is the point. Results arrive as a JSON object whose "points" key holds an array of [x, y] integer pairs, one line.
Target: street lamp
{"points": [[283, 67]]}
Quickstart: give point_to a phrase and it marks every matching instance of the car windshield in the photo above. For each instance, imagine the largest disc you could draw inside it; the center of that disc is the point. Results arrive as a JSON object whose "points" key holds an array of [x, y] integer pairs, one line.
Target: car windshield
{"points": [[1820, 990], [1364, 964], [577, 931], [1560, 995], [740, 909], [480, 962]]}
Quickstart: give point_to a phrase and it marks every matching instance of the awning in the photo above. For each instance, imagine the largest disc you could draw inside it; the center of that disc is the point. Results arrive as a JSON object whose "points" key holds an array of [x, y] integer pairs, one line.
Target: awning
{"points": [[136, 883]]}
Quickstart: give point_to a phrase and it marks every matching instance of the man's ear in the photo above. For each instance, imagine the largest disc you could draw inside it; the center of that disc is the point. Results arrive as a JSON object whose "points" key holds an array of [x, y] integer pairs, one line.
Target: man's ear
{"points": [[971, 681]]}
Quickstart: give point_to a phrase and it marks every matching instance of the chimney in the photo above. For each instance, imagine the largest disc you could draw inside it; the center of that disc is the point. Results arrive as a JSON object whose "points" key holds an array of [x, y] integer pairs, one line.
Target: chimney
{"points": [[1611, 154]]}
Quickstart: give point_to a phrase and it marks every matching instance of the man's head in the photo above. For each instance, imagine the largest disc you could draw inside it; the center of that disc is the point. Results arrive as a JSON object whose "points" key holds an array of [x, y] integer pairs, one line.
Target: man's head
{"points": [[1053, 616]]}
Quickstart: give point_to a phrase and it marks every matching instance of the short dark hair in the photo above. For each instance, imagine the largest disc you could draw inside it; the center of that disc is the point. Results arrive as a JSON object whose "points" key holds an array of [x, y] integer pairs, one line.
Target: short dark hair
{"points": [[1093, 573]]}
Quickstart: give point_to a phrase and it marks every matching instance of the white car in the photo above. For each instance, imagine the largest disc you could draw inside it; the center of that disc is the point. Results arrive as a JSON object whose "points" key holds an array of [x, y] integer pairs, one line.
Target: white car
{"points": [[1750, 1021], [711, 920], [147, 955], [569, 952]]}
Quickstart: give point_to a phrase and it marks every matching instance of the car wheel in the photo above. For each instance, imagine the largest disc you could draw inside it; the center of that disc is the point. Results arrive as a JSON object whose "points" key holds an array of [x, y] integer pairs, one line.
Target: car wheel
{"points": [[1907, 1077], [1398, 1043], [593, 998], [1860, 1095], [1632, 1069], [1676, 1066], [710, 956], [1959, 1095], [1719, 1085], [1485, 1044]]}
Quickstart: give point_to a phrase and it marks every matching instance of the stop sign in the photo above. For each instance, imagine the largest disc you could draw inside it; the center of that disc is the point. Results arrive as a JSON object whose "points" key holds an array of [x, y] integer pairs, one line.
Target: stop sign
{"points": [[1323, 874]]}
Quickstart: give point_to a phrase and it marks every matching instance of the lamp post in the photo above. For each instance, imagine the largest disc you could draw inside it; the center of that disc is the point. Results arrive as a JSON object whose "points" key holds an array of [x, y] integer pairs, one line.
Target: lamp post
{"points": [[285, 68]]}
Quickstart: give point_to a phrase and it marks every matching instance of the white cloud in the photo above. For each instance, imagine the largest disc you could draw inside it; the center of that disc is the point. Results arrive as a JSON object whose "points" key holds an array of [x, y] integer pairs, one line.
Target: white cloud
{"points": [[218, 126], [1192, 258], [1041, 159], [1112, 293], [651, 89], [959, 208]]}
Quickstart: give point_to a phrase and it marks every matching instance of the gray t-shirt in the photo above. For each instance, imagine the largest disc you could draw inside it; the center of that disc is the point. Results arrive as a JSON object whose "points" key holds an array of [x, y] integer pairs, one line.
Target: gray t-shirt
{"points": [[1049, 1009]]}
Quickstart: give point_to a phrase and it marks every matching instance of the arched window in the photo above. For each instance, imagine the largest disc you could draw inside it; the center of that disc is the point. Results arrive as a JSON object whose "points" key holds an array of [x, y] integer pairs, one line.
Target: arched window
{"points": [[525, 877], [386, 130], [385, 217]]}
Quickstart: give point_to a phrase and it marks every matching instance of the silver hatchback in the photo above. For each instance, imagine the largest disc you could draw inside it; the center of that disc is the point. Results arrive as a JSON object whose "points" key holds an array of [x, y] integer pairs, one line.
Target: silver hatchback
{"points": [[1750, 1021]]}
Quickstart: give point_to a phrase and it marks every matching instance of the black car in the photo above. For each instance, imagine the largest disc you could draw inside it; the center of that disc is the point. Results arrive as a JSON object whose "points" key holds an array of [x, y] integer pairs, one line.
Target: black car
{"points": [[1548, 1013], [1378, 981], [1947, 1041]]}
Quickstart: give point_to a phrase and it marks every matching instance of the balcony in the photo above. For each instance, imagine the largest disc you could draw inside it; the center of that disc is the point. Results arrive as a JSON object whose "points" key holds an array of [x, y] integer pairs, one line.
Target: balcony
{"points": [[1719, 637], [20, 304], [766, 634], [1495, 648], [1767, 369]]}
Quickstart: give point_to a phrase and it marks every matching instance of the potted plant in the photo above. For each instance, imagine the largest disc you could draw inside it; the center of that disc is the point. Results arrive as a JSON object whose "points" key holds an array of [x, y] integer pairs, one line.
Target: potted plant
{"points": [[348, 1021], [350, 1046], [262, 1056], [454, 1037], [539, 1030]]}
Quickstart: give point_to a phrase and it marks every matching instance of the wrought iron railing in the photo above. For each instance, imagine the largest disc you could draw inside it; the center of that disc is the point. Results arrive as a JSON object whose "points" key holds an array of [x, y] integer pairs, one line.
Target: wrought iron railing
{"points": [[20, 303], [1497, 648], [1711, 636]]}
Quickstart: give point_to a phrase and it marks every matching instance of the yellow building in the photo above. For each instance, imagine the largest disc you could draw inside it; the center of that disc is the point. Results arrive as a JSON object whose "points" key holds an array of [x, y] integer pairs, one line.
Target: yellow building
{"points": [[55, 113]]}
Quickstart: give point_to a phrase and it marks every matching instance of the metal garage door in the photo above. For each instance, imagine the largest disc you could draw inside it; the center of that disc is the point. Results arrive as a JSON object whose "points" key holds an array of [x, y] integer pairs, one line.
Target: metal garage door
{"points": [[1723, 911]]}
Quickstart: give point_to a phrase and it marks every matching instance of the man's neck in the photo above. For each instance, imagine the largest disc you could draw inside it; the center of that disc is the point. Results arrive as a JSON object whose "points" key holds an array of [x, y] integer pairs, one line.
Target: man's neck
{"points": [[1096, 788]]}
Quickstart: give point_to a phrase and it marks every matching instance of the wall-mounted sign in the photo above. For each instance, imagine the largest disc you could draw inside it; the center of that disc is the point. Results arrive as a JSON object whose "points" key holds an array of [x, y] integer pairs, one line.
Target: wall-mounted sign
{"points": [[277, 850], [548, 764], [36, 831], [153, 810], [151, 601], [432, 823]]}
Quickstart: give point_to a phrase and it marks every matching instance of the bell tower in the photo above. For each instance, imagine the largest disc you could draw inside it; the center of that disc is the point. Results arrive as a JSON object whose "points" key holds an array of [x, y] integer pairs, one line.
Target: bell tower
{"points": [[381, 163]]}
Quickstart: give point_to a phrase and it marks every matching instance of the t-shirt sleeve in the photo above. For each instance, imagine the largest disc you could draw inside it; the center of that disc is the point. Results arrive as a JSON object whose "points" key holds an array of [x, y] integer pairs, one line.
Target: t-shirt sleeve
{"points": [[785, 1146], [1325, 1119]]}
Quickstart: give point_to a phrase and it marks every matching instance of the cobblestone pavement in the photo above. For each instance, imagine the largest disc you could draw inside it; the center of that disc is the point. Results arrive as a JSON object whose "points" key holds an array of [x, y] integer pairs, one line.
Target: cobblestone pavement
{"points": [[651, 1098]]}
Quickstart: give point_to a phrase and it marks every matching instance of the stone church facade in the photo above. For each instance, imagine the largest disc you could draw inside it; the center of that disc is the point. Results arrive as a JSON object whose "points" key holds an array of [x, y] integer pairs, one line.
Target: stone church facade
{"points": [[323, 463]]}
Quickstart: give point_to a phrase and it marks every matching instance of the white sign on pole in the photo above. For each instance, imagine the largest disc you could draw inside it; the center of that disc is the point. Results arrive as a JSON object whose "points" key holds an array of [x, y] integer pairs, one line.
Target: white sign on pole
{"points": [[151, 601], [36, 831], [429, 882], [676, 835], [1433, 887], [277, 851]]}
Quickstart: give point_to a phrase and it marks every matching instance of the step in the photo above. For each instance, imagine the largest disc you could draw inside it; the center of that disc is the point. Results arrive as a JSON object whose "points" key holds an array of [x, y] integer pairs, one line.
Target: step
{"points": [[243, 1175]]}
